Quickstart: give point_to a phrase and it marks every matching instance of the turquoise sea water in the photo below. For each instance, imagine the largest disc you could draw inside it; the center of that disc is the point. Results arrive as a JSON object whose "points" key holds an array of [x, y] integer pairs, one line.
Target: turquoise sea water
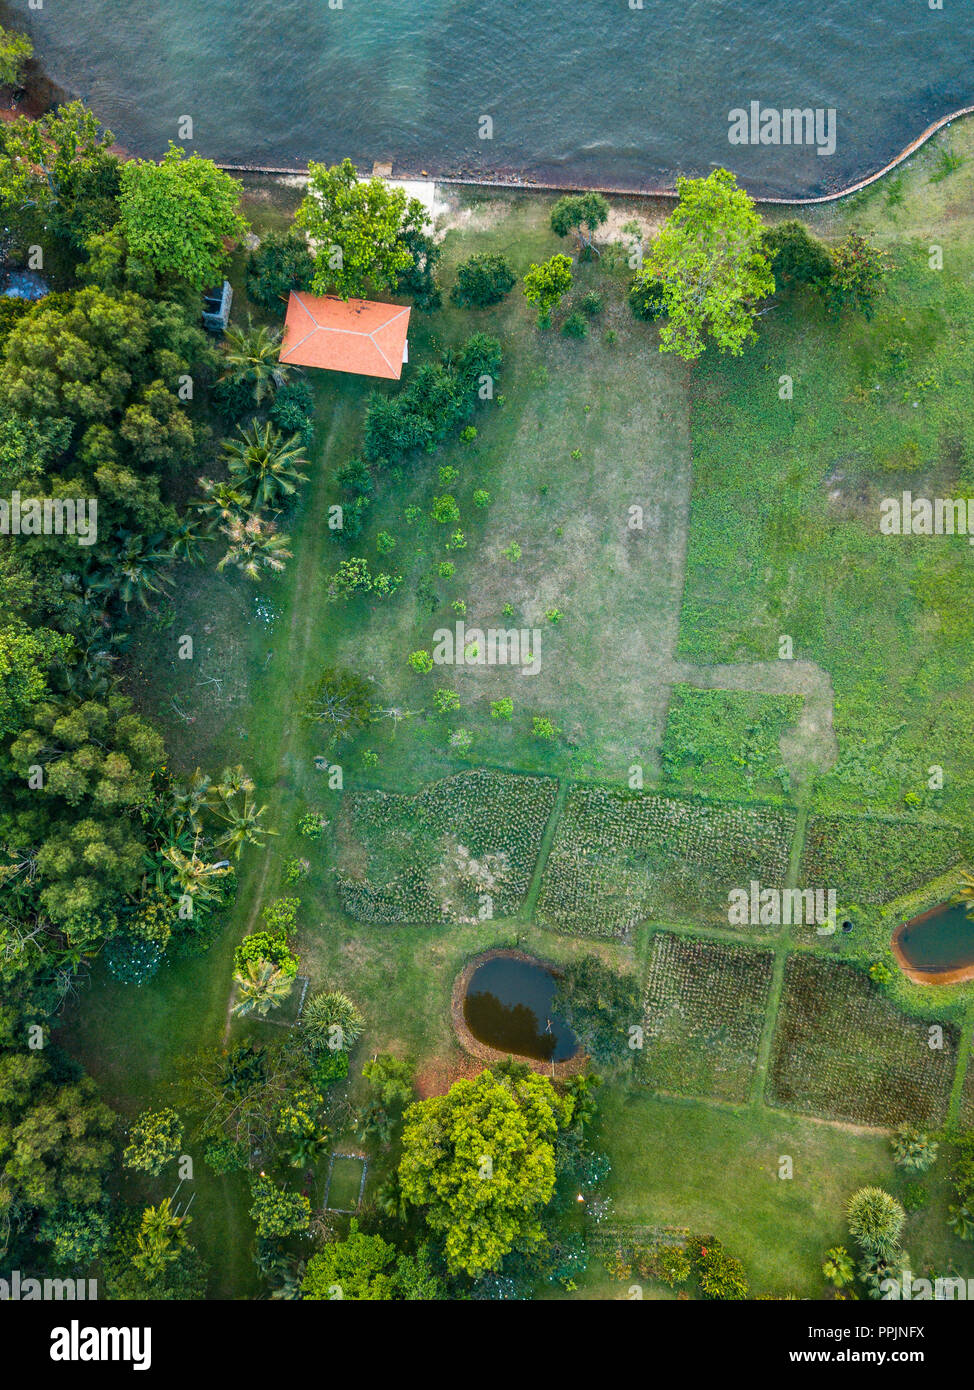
{"points": [[577, 90]]}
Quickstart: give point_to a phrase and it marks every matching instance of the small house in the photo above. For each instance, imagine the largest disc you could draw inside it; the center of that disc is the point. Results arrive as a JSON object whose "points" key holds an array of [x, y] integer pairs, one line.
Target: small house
{"points": [[339, 335]]}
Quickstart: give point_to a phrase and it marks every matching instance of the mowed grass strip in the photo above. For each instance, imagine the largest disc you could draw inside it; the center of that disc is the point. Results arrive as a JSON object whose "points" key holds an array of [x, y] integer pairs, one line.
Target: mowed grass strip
{"points": [[620, 856], [704, 1013], [843, 1051]]}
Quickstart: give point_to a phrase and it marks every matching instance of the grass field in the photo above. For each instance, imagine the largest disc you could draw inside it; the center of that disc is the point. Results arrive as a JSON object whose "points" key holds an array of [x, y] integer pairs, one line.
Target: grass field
{"points": [[759, 521]]}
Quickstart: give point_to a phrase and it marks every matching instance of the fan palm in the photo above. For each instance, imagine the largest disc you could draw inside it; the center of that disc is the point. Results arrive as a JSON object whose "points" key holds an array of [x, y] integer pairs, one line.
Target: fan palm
{"points": [[251, 355], [266, 463], [254, 547], [331, 1020], [261, 986]]}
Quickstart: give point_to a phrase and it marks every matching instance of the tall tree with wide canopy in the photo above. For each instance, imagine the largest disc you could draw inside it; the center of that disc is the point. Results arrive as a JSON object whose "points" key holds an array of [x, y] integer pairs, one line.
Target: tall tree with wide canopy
{"points": [[710, 258], [182, 215], [360, 230], [480, 1162]]}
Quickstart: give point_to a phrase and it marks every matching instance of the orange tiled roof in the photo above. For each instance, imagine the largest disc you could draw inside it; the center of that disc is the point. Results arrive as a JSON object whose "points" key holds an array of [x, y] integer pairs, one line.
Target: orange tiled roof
{"points": [[355, 335]]}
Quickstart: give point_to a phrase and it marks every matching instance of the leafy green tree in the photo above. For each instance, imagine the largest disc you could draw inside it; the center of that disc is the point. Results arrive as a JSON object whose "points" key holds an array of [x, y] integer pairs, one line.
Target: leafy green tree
{"points": [[154, 1140], [357, 226], [876, 1221], [266, 464], [647, 296], [858, 271], [77, 1235], [41, 161], [483, 280], [340, 703], [709, 256], [364, 1267], [582, 214], [179, 214], [55, 1140], [281, 263], [797, 257], [546, 285], [24, 659], [391, 1078], [276, 1212], [15, 50], [479, 1162]]}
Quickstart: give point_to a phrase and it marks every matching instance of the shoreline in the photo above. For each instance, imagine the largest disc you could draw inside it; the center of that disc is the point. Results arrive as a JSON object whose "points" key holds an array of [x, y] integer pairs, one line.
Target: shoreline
{"points": [[527, 186]]}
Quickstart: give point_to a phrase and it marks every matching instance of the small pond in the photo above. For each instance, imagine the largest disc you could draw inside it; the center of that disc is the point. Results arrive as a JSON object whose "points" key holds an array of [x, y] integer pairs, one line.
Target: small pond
{"points": [[508, 1006], [938, 941]]}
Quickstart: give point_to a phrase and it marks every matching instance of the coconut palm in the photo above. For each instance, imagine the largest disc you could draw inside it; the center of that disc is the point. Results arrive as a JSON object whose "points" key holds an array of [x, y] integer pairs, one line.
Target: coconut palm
{"points": [[243, 824], [265, 463], [251, 355], [232, 780], [187, 799], [193, 875], [261, 986], [136, 569], [187, 541], [331, 1020], [254, 547], [220, 501]]}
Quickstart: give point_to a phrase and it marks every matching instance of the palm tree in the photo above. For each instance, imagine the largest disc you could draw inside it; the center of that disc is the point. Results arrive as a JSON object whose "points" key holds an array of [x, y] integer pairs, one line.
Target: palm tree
{"points": [[262, 986], [255, 546], [243, 824], [266, 463], [194, 876], [331, 1020], [232, 780], [188, 799], [161, 1239], [136, 569], [187, 541], [220, 501], [252, 356]]}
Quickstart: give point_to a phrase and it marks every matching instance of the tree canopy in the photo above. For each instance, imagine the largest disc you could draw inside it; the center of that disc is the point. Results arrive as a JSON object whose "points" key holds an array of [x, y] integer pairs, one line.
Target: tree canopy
{"points": [[710, 258], [480, 1162], [181, 215]]}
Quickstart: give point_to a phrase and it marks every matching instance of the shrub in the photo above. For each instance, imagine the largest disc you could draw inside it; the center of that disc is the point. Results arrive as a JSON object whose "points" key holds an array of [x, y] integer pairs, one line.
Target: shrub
{"points": [[797, 257], [281, 263], [276, 1212], [647, 297], [669, 1264], [721, 1276], [263, 945], [293, 409], [329, 1067], [575, 326], [543, 728], [312, 825], [445, 509], [502, 709], [132, 959], [591, 304], [280, 916], [482, 281], [385, 543], [224, 1155], [481, 498], [155, 1138], [915, 1196], [446, 701], [913, 1150], [421, 661], [446, 569]]}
